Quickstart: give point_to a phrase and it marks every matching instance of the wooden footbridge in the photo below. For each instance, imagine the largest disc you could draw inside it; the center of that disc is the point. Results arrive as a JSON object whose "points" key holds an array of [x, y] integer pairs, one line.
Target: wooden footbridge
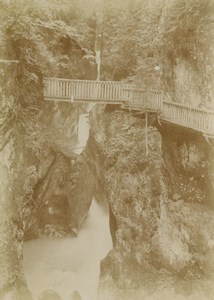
{"points": [[130, 96]]}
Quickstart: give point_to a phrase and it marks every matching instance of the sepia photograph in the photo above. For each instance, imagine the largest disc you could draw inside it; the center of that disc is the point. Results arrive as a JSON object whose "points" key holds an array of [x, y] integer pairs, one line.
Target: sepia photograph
{"points": [[106, 149]]}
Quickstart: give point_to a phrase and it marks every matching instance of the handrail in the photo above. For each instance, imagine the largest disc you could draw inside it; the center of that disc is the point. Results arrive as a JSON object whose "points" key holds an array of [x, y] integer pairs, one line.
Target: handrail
{"points": [[190, 107], [84, 80], [187, 116], [132, 96]]}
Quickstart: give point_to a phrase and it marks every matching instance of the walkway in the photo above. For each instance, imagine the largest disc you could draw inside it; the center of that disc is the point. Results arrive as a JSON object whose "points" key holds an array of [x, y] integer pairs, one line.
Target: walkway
{"points": [[132, 97]]}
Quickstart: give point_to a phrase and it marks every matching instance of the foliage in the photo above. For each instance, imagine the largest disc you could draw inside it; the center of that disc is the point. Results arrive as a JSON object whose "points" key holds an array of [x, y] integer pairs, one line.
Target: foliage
{"points": [[158, 43], [47, 39], [181, 32], [121, 26]]}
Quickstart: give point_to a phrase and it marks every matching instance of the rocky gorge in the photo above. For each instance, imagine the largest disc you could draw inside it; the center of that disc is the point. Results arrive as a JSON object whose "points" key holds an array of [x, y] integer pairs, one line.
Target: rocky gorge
{"points": [[156, 182]]}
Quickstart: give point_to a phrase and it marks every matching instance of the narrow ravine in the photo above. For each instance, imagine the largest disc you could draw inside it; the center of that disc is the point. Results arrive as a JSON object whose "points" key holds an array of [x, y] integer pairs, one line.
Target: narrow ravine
{"points": [[68, 264]]}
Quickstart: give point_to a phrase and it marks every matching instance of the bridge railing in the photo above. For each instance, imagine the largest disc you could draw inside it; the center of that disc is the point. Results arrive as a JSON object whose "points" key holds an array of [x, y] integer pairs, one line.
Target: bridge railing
{"points": [[195, 118], [133, 97], [99, 91], [142, 99], [57, 88], [66, 89]]}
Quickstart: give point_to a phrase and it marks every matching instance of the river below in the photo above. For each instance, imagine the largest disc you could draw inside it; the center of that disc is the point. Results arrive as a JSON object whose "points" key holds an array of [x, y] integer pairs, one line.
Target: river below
{"points": [[68, 264]]}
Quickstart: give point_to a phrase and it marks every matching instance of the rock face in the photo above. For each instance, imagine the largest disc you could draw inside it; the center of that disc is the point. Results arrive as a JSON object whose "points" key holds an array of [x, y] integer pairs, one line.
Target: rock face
{"points": [[46, 190], [162, 218], [11, 273], [63, 190]]}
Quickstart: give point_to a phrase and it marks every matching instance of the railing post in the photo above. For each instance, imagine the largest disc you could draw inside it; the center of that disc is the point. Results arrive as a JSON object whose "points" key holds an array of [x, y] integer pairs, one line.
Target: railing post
{"points": [[146, 121], [72, 91]]}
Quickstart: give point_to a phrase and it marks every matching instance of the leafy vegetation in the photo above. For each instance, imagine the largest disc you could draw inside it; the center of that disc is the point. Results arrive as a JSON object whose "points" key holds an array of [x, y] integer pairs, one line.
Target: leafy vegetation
{"points": [[163, 44]]}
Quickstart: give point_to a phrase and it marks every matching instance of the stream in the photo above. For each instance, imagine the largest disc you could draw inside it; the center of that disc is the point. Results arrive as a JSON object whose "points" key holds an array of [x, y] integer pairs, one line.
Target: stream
{"points": [[68, 264]]}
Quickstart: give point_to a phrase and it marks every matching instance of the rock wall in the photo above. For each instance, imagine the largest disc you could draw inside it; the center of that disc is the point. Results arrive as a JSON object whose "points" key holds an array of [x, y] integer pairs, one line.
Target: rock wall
{"points": [[162, 210], [45, 189], [63, 191], [11, 272]]}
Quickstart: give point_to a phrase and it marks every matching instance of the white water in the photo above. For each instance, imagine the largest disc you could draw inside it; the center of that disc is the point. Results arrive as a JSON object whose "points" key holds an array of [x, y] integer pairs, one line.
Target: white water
{"points": [[65, 265]]}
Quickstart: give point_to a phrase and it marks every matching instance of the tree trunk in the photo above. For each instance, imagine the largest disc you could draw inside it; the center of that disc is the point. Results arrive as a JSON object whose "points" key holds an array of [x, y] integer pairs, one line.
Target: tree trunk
{"points": [[98, 40]]}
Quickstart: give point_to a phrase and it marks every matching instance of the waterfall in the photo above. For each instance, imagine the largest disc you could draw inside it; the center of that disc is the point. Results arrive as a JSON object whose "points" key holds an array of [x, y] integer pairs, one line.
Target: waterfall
{"points": [[83, 132]]}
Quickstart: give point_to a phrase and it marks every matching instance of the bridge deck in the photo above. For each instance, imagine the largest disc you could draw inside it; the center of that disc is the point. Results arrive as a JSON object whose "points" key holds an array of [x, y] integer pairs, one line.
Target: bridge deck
{"points": [[130, 96]]}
